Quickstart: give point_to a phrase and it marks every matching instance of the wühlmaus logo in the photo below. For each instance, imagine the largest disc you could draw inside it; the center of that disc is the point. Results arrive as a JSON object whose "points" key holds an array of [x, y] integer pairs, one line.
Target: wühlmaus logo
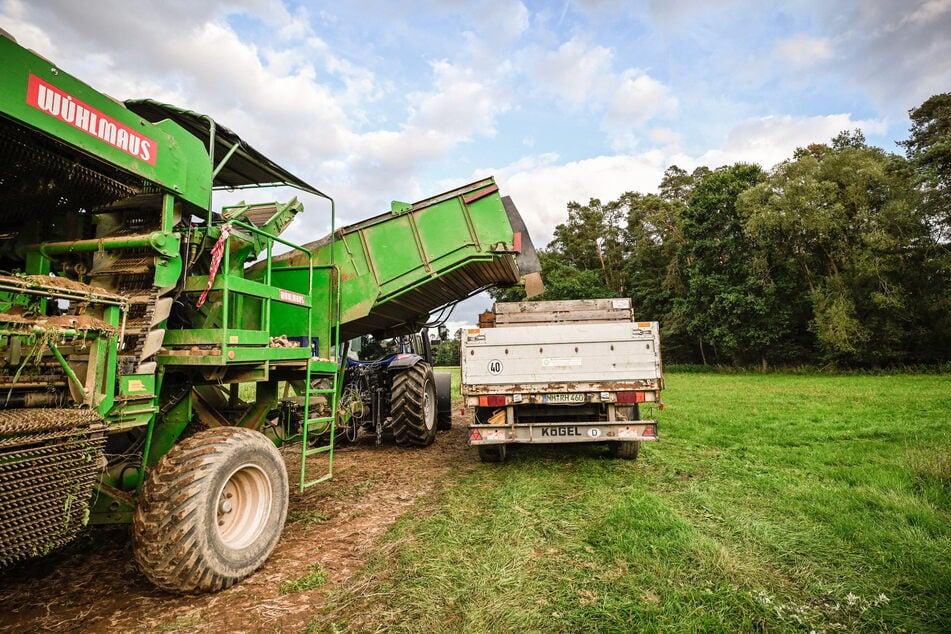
{"points": [[66, 108]]}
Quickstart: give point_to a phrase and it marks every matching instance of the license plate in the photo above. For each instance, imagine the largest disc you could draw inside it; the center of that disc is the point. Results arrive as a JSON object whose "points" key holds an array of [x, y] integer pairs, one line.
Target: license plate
{"points": [[563, 398]]}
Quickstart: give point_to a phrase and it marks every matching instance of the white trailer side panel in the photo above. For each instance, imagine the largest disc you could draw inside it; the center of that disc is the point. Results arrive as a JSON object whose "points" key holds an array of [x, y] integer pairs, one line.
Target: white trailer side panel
{"points": [[559, 354]]}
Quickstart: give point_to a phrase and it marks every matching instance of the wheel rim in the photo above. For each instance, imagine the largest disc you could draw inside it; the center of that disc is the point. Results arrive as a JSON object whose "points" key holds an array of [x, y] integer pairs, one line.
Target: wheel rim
{"points": [[243, 506], [429, 405]]}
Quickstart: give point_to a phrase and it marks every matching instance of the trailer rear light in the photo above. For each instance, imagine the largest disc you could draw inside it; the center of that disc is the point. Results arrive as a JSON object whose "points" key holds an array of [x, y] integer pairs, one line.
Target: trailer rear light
{"points": [[475, 435], [650, 430], [630, 397], [661, 406], [492, 401]]}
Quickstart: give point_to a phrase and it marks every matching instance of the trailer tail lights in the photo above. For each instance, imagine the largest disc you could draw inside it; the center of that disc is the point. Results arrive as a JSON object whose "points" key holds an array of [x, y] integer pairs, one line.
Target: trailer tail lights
{"points": [[492, 401], [475, 435], [630, 397], [650, 430]]}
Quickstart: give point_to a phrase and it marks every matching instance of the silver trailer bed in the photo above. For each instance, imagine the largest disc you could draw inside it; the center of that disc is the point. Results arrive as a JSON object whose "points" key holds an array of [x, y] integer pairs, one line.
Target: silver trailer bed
{"points": [[559, 372]]}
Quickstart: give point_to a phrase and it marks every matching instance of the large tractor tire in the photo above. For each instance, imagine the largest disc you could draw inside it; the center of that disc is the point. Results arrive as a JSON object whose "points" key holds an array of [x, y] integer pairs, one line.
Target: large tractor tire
{"points": [[443, 401], [413, 406], [211, 512]]}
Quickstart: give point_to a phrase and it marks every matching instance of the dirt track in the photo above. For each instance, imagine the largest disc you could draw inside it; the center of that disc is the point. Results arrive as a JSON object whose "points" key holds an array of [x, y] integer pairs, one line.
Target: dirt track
{"points": [[94, 586]]}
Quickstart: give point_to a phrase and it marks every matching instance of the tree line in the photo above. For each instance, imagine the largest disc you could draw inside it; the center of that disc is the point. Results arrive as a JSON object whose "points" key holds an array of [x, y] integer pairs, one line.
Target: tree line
{"points": [[839, 255]]}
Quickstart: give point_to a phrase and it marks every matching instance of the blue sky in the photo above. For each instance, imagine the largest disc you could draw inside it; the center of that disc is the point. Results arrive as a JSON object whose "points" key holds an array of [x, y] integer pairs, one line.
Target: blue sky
{"points": [[372, 101]]}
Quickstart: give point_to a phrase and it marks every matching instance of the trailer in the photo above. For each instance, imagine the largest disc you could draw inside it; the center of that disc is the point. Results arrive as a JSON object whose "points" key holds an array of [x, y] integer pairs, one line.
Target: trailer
{"points": [[555, 372], [141, 356]]}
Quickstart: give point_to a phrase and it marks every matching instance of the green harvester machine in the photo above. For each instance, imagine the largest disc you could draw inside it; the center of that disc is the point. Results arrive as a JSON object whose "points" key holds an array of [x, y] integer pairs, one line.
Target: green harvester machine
{"points": [[145, 338]]}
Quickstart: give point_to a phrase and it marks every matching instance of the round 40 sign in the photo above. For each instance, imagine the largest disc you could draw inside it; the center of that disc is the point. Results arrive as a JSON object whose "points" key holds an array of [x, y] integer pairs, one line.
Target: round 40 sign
{"points": [[495, 367]]}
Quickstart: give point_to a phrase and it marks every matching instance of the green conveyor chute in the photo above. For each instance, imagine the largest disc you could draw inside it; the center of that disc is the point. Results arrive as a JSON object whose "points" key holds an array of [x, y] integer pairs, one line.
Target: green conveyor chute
{"points": [[396, 268]]}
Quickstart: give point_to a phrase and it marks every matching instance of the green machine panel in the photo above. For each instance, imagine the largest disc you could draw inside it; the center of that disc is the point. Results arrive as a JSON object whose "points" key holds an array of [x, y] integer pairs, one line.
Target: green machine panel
{"points": [[39, 94], [398, 267]]}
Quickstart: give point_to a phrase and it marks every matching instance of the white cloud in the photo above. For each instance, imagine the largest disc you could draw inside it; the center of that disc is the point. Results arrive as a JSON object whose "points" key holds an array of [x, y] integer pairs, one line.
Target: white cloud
{"points": [[542, 188], [895, 51], [583, 79], [803, 50], [637, 99], [459, 106], [770, 140], [576, 73], [929, 11], [665, 136]]}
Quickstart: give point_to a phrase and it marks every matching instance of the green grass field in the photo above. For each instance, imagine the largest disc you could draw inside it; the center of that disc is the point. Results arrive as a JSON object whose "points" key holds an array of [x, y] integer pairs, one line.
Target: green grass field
{"points": [[774, 503]]}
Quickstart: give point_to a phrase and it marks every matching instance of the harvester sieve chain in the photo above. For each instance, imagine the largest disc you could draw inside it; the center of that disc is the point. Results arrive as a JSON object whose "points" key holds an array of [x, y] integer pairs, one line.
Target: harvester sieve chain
{"points": [[29, 166], [50, 459], [37, 420], [47, 505], [21, 468], [16, 504]]}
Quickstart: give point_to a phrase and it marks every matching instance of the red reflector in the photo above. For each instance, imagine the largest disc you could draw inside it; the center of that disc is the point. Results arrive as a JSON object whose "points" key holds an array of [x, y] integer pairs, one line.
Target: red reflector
{"points": [[630, 397], [475, 435], [661, 406], [650, 431], [492, 401]]}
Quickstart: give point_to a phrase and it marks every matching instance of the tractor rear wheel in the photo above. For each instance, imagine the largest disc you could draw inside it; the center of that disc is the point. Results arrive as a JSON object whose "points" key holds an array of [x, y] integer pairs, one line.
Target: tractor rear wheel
{"points": [[413, 406], [211, 511]]}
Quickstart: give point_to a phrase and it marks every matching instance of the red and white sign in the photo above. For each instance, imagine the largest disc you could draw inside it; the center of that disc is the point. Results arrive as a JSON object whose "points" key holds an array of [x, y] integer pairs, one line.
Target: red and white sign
{"points": [[66, 108], [291, 297]]}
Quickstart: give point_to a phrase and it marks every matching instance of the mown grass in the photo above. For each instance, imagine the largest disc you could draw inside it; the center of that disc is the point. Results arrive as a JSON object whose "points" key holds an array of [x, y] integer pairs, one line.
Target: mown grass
{"points": [[774, 503]]}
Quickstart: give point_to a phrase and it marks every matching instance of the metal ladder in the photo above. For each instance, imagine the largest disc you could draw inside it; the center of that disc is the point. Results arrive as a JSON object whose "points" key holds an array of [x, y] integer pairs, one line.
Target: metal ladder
{"points": [[319, 425]]}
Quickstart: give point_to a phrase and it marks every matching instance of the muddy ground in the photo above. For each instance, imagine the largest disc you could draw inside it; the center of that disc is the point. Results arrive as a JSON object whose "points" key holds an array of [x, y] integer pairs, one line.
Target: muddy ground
{"points": [[94, 585]]}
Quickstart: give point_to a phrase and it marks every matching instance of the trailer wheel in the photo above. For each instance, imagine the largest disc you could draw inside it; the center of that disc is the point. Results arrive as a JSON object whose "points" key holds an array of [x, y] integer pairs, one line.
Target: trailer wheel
{"points": [[413, 406], [625, 449], [211, 511], [443, 401], [492, 453]]}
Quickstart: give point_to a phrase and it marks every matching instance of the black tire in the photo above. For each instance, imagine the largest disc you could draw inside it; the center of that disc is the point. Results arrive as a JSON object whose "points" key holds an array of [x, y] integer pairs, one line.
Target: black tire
{"points": [[211, 511], [413, 406], [443, 401], [625, 449], [492, 453]]}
